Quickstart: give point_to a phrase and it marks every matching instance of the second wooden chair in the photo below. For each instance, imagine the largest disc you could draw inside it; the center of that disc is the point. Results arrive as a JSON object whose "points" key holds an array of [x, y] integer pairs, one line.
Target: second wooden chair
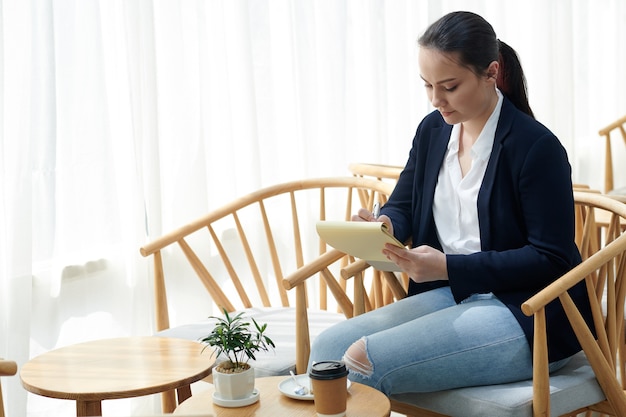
{"points": [[237, 256]]}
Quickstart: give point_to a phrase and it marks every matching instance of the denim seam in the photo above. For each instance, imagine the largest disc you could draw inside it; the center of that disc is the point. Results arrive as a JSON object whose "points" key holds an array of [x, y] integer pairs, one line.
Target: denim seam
{"points": [[442, 356]]}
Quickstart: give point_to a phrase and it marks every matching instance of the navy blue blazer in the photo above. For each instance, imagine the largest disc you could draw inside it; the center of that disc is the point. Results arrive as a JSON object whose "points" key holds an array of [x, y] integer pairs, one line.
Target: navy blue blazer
{"points": [[525, 213]]}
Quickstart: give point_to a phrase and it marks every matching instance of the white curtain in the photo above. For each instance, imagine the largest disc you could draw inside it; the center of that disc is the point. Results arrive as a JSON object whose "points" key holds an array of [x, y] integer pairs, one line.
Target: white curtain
{"points": [[123, 119]]}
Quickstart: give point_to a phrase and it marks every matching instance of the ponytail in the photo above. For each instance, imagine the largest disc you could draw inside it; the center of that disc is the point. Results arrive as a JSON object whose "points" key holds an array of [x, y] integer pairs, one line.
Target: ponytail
{"points": [[511, 80], [474, 41]]}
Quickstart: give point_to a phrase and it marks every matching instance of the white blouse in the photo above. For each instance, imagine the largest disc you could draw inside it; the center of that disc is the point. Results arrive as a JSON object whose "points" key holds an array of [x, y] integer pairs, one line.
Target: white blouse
{"points": [[455, 205]]}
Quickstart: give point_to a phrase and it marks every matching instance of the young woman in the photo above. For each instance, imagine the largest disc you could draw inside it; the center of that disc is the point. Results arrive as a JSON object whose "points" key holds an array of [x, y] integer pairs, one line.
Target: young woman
{"points": [[486, 200]]}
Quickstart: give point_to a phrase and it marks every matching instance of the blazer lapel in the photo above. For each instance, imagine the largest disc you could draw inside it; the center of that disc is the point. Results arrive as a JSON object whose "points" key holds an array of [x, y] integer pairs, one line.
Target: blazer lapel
{"points": [[434, 158], [484, 195]]}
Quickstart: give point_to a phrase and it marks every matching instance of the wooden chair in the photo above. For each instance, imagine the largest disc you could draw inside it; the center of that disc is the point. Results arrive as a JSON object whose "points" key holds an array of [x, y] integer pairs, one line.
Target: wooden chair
{"points": [[591, 380], [602, 217], [608, 154], [242, 251], [378, 171], [7, 368]]}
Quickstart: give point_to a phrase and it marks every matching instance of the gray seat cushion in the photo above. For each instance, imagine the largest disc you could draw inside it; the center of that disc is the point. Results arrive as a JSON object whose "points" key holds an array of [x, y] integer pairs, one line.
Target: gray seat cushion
{"points": [[572, 387], [280, 328]]}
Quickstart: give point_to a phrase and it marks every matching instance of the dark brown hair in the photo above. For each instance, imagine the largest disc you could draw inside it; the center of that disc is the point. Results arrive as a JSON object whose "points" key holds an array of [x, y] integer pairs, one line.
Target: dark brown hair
{"points": [[474, 42]]}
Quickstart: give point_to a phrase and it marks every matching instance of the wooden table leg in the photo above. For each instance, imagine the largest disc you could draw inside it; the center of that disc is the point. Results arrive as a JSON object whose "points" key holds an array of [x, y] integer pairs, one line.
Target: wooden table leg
{"points": [[88, 408], [168, 401]]}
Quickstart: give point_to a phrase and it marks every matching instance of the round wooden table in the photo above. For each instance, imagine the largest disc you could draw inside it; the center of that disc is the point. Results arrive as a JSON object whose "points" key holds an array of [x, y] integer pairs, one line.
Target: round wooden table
{"points": [[363, 401], [117, 368]]}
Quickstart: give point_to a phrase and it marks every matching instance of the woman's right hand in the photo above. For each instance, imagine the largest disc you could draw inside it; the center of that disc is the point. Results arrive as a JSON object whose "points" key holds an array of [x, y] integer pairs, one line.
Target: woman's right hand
{"points": [[364, 215]]}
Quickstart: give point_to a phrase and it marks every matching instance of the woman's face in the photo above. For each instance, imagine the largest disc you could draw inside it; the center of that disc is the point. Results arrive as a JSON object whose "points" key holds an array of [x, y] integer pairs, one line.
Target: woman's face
{"points": [[456, 91]]}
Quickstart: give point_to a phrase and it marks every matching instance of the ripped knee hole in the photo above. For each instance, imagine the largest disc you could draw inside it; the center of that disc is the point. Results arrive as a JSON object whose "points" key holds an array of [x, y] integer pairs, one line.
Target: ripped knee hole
{"points": [[356, 358]]}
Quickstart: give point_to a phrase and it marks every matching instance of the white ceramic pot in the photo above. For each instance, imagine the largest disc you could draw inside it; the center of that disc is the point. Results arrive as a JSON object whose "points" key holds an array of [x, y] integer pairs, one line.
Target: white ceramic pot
{"points": [[234, 386]]}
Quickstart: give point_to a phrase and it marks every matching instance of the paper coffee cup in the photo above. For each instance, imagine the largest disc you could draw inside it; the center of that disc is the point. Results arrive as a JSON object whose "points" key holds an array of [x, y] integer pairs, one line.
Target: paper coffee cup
{"points": [[329, 381]]}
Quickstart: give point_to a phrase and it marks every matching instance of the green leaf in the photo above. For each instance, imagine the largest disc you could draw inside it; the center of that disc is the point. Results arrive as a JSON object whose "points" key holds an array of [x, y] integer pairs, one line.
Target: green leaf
{"points": [[233, 337]]}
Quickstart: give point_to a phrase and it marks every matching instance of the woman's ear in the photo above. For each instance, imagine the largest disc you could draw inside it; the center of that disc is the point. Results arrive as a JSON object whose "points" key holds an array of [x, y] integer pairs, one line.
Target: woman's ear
{"points": [[493, 70]]}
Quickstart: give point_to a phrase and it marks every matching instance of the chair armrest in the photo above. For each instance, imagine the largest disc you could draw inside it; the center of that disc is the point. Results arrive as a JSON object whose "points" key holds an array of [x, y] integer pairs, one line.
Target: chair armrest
{"points": [[606, 265], [350, 270], [7, 368], [358, 266], [297, 280], [573, 277], [305, 272]]}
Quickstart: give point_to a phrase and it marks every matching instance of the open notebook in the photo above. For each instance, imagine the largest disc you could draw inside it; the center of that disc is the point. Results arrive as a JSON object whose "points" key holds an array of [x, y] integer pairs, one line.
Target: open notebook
{"points": [[363, 240]]}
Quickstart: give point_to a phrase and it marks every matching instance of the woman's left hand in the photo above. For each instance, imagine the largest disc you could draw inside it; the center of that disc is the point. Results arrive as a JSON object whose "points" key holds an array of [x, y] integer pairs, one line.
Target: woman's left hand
{"points": [[422, 263]]}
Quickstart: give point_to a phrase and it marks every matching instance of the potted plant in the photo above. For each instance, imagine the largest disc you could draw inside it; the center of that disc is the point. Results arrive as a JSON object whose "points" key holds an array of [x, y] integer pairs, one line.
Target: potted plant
{"points": [[238, 341]]}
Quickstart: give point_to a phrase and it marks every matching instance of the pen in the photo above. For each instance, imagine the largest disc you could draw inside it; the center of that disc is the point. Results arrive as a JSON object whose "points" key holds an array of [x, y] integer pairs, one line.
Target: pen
{"points": [[376, 211]]}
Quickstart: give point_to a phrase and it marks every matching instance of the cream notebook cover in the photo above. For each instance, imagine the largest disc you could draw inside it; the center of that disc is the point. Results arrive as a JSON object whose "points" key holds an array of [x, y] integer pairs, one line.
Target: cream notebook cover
{"points": [[363, 240]]}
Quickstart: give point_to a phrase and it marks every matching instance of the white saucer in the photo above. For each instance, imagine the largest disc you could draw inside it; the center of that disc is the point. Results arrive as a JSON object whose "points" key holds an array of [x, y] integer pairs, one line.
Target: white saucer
{"points": [[287, 386], [217, 399]]}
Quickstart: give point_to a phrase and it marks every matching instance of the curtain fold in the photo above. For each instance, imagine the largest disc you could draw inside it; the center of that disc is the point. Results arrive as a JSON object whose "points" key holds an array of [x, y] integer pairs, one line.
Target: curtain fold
{"points": [[16, 211], [123, 119]]}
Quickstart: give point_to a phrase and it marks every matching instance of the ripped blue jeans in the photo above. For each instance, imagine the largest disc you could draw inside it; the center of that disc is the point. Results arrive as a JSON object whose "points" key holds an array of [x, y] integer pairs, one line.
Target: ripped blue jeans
{"points": [[428, 342]]}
